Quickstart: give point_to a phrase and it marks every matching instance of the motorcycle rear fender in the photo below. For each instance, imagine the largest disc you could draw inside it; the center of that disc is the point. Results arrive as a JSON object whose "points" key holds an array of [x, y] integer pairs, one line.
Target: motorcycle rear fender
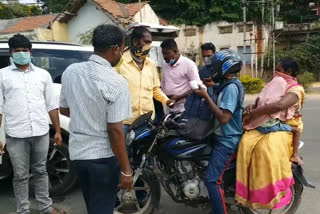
{"points": [[298, 174]]}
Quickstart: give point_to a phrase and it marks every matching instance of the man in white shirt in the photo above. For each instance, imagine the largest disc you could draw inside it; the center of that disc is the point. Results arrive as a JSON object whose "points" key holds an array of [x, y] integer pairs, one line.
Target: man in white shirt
{"points": [[26, 98]]}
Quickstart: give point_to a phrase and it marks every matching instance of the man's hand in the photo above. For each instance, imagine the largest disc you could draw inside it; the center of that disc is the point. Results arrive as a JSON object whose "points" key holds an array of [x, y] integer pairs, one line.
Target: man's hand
{"points": [[1, 148], [57, 139], [208, 82], [175, 98], [126, 183], [170, 103], [201, 93]]}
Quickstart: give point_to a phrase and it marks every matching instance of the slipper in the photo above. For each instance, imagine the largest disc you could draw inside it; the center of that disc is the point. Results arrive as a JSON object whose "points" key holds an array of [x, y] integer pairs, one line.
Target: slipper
{"points": [[57, 211]]}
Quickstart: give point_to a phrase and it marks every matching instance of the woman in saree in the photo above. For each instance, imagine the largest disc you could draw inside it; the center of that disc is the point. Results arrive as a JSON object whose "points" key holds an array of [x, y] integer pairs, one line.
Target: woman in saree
{"points": [[264, 175]]}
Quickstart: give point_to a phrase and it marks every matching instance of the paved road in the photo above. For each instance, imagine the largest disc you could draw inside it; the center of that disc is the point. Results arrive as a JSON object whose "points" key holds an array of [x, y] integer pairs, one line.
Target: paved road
{"points": [[74, 203]]}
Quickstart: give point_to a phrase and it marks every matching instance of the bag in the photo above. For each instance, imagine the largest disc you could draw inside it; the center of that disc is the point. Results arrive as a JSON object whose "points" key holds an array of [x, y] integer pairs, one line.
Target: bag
{"points": [[197, 120]]}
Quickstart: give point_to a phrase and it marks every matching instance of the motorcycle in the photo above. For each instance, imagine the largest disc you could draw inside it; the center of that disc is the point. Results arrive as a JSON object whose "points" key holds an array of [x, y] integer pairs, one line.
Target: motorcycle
{"points": [[182, 165]]}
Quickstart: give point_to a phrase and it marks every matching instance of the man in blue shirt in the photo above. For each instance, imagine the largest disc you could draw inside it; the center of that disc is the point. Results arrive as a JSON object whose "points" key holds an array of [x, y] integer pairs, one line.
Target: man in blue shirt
{"points": [[228, 122]]}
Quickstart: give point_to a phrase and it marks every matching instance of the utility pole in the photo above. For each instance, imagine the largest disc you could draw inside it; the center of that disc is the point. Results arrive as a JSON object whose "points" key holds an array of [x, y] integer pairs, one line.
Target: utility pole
{"points": [[244, 2], [140, 5], [273, 37], [262, 32]]}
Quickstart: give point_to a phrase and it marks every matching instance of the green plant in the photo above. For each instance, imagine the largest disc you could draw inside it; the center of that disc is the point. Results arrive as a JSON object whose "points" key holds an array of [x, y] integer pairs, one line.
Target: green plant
{"points": [[305, 79], [86, 37], [251, 85]]}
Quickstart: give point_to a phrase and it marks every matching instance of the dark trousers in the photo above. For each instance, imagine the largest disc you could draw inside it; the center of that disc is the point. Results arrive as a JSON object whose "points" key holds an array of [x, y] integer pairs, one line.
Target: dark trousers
{"points": [[221, 158], [99, 181]]}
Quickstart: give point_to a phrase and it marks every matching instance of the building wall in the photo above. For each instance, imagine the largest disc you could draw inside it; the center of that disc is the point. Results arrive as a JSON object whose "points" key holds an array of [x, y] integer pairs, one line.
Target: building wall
{"points": [[59, 31], [32, 35], [44, 34], [192, 37], [88, 17], [148, 15]]}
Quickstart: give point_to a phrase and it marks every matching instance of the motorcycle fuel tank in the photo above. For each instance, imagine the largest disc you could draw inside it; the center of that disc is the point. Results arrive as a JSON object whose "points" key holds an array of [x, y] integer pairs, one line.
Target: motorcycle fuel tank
{"points": [[185, 149]]}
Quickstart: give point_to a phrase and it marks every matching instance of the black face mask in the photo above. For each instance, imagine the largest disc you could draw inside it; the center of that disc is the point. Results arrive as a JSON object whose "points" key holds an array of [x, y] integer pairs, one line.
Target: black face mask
{"points": [[140, 52]]}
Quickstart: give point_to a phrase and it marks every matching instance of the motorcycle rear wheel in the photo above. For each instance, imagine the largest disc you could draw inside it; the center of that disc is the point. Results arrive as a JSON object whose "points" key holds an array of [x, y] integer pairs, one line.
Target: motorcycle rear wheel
{"points": [[291, 208]]}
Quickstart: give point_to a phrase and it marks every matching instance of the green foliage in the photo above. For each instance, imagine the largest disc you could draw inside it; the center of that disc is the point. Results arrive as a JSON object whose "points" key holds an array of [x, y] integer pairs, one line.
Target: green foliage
{"points": [[296, 11], [198, 12], [18, 10], [201, 12], [5, 12], [35, 11], [251, 85], [307, 55], [56, 6], [86, 38], [305, 79]]}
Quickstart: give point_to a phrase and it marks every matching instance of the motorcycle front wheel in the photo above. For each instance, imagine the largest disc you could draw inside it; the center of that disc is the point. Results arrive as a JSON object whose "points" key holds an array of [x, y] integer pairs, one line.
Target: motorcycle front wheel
{"points": [[144, 197], [289, 209]]}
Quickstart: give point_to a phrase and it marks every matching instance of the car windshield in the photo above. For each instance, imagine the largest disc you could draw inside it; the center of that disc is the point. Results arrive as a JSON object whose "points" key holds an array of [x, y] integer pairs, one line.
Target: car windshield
{"points": [[56, 61]]}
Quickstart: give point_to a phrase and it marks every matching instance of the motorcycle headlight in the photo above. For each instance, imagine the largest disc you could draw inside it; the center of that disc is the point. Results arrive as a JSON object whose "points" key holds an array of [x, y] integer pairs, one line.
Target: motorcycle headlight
{"points": [[130, 137]]}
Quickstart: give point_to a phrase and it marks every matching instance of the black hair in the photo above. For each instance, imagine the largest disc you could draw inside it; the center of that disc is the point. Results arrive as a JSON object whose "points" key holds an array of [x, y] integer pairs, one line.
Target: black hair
{"points": [[138, 33], [105, 36], [19, 41], [290, 63], [208, 46], [169, 44]]}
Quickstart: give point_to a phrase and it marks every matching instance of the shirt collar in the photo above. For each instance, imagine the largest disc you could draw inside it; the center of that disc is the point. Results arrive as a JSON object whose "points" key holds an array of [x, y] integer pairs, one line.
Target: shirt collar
{"points": [[99, 60], [30, 68], [179, 61]]}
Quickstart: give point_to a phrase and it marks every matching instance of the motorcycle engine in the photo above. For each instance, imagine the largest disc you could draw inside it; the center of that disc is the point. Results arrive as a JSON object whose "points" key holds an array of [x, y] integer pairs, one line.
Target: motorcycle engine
{"points": [[191, 188], [190, 179]]}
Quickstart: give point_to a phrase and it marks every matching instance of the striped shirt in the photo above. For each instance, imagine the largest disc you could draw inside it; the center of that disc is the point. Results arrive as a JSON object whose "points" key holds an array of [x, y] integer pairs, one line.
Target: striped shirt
{"points": [[96, 95]]}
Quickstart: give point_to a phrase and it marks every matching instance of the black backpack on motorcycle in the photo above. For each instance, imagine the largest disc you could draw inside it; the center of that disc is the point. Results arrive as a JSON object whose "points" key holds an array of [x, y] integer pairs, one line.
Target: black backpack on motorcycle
{"points": [[197, 121]]}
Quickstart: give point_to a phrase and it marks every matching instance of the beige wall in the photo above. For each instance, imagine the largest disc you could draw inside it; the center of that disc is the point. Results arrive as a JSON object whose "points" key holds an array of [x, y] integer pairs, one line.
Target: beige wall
{"points": [[59, 31], [148, 15], [211, 33], [44, 34]]}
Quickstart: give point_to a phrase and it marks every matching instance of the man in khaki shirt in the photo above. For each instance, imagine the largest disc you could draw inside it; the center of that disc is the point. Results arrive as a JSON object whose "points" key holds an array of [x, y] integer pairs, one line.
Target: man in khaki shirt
{"points": [[142, 75]]}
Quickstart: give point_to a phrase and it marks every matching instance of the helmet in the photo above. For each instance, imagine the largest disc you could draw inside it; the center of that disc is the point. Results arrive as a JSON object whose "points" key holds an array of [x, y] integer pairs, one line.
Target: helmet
{"points": [[223, 63]]}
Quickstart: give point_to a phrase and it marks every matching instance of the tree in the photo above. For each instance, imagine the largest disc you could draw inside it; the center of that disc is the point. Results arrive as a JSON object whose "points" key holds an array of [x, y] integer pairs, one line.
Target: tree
{"points": [[198, 12], [55, 6], [297, 11], [5, 12], [18, 10], [35, 11], [307, 55], [201, 12]]}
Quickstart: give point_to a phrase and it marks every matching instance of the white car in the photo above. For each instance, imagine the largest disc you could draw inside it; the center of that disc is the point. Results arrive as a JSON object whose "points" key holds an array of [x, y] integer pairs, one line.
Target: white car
{"points": [[53, 57]]}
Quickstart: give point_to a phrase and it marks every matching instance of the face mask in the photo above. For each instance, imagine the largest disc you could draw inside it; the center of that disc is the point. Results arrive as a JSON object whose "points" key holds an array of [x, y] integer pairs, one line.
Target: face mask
{"points": [[206, 60], [21, 58], [172, 61], [141, 52]]}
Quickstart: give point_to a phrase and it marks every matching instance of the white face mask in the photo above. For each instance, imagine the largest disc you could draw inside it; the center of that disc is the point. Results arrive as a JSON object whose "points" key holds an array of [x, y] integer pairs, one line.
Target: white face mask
{"points": [[207, 60]]}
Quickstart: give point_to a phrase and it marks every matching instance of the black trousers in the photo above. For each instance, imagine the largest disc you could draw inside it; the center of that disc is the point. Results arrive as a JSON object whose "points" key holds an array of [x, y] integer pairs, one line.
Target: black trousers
{"points": [[99, 181]]}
